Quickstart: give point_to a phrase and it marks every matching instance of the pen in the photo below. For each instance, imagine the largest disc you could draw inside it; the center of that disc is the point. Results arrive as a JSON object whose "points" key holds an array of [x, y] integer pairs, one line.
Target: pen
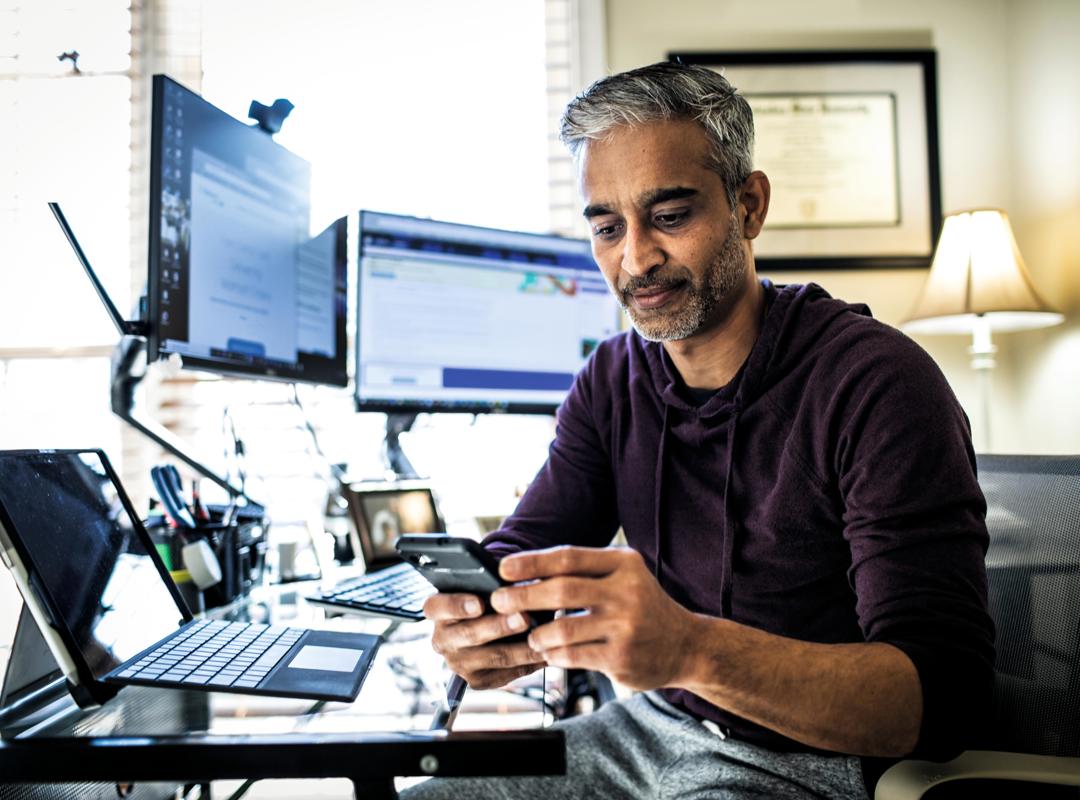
{"points": [[197, 507]]}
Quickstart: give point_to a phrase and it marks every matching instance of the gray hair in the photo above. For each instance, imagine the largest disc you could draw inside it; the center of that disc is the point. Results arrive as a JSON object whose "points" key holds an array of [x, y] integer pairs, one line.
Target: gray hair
{"points": [[666, 91]]}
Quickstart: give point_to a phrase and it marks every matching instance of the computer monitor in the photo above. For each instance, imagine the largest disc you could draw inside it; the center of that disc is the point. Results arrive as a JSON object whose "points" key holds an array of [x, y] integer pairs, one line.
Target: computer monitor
{"points": [[236, 283], [454, 317]]}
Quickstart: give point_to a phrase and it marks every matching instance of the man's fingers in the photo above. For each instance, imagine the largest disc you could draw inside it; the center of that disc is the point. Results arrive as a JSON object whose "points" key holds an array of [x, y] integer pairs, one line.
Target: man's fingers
{"points": [[494, 657], [452, 606], [564, 560], [567, 631], [592, 656], [456, 635], [497, 678], [550, 595]]}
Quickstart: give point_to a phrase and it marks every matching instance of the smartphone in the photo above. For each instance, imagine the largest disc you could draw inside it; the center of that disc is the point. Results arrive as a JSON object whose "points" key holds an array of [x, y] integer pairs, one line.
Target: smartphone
{"points": [[455, 565], [451, 563]]}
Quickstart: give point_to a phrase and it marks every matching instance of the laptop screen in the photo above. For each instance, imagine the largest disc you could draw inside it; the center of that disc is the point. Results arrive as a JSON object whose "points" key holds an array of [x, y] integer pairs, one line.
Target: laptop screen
{"points": [[65, 511]]}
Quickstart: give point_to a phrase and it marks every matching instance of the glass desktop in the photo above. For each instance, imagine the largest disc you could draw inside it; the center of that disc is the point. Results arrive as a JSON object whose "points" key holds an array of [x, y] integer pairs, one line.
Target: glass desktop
{"points": [[169, 735]]}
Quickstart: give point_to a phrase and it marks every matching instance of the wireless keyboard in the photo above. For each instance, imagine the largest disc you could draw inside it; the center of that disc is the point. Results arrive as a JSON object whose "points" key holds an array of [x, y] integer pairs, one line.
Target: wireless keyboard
{"points": [[398, 591]]}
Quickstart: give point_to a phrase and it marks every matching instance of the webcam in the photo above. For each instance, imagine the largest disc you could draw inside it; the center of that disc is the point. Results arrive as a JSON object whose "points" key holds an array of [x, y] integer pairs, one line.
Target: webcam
{"points": [[270, 118]]}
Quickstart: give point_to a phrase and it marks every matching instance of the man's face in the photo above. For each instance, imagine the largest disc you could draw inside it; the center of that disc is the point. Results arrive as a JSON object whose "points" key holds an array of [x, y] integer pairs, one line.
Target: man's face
{"points": [[663, 233]]}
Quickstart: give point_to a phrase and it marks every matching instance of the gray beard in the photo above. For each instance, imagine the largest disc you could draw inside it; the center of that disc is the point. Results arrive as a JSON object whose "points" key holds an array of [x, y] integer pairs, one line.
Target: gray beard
{"points": [[701, 298]]}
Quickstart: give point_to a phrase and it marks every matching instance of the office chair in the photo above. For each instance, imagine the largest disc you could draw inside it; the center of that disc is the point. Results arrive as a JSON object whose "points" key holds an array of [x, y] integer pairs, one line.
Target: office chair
{"points": [[1033, 569]]}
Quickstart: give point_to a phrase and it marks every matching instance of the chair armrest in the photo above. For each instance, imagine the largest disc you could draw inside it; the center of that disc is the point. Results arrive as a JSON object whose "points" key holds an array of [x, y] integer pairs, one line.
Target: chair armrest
{"points": [[909, 780]]}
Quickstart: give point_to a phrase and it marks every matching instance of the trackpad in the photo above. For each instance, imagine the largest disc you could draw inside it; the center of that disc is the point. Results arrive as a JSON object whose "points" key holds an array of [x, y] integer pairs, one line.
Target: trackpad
{"points": [[324, 665], [332, 659]]}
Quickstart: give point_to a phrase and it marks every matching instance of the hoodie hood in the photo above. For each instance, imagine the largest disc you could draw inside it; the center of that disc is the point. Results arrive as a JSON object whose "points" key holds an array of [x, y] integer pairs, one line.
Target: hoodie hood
{"points": [[796, 318]]}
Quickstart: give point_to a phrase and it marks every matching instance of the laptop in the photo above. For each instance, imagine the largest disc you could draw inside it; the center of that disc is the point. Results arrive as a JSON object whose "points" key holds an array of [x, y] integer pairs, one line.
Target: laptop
{"points": [[111, 615], [390, 586]]}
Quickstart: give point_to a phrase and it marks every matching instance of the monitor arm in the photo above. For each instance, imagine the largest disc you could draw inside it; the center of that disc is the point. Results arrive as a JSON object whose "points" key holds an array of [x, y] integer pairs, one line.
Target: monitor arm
{"points": [[398, 423], [124, 376], [125, 379]]}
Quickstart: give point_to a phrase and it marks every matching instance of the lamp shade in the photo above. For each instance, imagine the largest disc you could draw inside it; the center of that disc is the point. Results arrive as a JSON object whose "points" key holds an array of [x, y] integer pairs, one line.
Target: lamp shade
{"points": [[978, 271]]}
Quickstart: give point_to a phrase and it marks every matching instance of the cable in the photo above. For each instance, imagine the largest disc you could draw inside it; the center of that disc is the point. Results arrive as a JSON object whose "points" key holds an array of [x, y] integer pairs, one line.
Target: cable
{"points": [[240, 792], [238, 454], [337, 472], [544, 701]]}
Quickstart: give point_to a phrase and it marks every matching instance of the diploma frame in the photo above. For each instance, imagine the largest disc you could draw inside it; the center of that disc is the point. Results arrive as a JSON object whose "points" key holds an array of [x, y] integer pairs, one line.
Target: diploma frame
{"points": [[908, 79]]}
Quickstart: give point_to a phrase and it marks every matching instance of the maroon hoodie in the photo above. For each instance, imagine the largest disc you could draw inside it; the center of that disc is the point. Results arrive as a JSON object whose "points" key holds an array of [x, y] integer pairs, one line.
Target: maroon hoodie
{"points": [[827, 494]]}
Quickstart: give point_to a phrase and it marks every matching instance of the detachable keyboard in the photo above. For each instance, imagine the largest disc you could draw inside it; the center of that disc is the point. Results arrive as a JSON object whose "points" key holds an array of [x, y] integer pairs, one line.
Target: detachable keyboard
{"points": [[214, 653], [398, 591]]}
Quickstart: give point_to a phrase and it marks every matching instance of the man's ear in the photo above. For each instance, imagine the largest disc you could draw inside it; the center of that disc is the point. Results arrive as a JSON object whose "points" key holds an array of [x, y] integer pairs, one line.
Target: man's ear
{"points": [[754, 203]]}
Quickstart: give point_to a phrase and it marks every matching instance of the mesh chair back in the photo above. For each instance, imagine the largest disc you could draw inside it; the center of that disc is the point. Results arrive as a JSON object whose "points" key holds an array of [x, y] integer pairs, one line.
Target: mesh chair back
{"points": [[1033, 568]]}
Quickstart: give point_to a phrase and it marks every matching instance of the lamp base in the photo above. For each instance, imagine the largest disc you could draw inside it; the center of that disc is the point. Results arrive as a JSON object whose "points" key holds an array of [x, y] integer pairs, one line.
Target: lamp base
{"points": [[982, 352]]}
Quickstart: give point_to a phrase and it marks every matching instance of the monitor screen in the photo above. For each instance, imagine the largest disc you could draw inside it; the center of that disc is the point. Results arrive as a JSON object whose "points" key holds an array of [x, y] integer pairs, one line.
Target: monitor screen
{"points": [[458, 318], [236, 284], [73, 526]]}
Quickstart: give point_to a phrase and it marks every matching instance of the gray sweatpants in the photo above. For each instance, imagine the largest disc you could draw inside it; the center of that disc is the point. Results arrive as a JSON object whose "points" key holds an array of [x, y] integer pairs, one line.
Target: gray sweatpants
{"points": [[644, 747]]}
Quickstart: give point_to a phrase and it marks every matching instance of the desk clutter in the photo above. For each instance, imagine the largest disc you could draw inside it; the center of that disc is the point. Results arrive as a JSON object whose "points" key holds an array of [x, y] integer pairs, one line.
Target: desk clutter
{"points": [[103, 602], [108, 610], [214, 553]]}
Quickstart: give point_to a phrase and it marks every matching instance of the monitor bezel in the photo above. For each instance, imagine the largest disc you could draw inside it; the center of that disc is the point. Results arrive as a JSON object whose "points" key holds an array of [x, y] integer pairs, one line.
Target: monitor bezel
{"points": [[418, 406], [336, 375], [42, 594]]}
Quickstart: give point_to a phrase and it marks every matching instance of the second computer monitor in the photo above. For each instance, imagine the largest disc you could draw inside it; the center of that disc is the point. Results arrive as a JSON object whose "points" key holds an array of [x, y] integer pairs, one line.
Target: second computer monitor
{"points": [[460, 318], [237, 284]]}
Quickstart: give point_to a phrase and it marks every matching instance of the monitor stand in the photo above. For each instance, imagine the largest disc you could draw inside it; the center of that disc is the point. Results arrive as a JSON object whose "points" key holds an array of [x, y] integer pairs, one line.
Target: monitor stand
{"points": [[397, 462]]}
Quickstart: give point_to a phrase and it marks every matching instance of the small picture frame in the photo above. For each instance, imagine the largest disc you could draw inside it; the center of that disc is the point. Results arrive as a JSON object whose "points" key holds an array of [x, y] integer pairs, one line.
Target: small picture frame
{"points": [[849, 142], [380, 512]]}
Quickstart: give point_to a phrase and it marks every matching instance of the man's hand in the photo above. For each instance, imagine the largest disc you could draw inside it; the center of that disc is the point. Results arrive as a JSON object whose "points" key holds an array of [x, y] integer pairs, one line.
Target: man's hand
{"points": [[630, 630], [463, 635], [862, 698]]}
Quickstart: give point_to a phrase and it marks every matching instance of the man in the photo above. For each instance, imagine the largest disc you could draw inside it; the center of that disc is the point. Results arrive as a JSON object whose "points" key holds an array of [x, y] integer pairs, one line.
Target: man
{"points": [[804, 584]]}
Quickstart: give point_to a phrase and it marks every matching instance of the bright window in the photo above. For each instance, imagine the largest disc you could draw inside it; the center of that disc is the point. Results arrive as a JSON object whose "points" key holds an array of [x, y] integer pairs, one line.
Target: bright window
{"points": [[65, 136], [421, 107]]}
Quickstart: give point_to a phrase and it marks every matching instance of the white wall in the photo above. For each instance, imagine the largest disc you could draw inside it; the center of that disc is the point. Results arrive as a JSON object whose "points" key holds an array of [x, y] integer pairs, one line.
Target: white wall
{"points": [[1044, 50], [1009, 136]]}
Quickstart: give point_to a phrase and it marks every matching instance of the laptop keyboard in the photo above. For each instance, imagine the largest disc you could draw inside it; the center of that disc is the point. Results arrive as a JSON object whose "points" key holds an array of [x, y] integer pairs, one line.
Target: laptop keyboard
{"points": [[215, 653], [397, 591]]}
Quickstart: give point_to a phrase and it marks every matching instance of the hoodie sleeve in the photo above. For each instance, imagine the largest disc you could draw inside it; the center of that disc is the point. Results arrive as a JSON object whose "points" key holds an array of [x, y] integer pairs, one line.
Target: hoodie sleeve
{"points": [[915, 521], [572, 498]]}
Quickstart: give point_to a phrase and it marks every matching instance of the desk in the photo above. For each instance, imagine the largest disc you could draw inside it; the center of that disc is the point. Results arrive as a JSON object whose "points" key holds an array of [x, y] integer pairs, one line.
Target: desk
{"points": [[169, 735]]}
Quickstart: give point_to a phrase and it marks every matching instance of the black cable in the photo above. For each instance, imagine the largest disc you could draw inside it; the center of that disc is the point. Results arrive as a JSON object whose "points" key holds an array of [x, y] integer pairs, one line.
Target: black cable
{"points": [[228, 427], [543, 696], [335, 470], [240, 792]]}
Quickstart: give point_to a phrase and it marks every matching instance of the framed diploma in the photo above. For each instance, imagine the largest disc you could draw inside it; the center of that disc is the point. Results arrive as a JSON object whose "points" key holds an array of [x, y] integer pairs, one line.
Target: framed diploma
{"points": [[849, 142]]}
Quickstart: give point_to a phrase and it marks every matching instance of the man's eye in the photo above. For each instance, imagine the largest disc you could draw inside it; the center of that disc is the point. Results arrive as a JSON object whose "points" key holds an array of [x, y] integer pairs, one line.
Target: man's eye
{"points": [[671, 220], [605, 231]]}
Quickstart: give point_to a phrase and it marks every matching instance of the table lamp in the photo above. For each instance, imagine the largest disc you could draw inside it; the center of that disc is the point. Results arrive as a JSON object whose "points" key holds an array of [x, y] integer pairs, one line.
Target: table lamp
{"points": [[977, 284]]}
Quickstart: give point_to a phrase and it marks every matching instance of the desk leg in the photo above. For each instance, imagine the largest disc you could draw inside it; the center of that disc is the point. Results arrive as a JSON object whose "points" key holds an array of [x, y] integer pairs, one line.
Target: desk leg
{"points": [[374, 790]]}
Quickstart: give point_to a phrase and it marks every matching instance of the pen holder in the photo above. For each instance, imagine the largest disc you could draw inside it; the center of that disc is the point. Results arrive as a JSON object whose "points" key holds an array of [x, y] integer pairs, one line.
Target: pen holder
{"points": [[239, 546], [241, 549]]}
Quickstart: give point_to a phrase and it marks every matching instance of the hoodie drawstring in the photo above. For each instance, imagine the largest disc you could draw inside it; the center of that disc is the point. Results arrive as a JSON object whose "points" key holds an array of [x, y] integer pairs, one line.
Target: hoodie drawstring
{"points": [[731, 526], [659, 483]]}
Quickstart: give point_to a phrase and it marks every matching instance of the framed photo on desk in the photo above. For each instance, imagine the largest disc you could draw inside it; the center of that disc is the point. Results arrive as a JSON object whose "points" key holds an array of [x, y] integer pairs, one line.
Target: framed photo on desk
{"points": [[848, 140]]}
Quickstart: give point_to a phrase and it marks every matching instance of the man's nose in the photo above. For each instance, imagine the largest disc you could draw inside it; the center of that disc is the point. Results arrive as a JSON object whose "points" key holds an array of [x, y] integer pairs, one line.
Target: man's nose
{"points": [[641, 252]]}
